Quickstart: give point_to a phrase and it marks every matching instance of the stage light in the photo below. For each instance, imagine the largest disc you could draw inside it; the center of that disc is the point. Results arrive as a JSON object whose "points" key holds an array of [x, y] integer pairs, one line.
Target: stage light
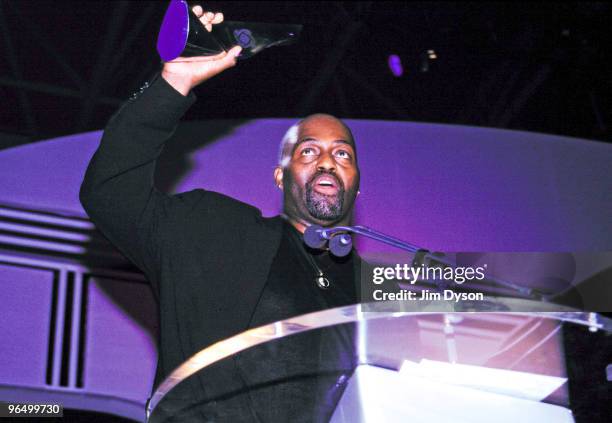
{"points": [[426, 60], [395, 64]]}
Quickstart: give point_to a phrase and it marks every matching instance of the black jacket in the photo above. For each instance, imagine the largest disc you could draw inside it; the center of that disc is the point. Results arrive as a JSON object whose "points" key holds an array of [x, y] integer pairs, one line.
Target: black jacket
{"points": [[206, 255]]}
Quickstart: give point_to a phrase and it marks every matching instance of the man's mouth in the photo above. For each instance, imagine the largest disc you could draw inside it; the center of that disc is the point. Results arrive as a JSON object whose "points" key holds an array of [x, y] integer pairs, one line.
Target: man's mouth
{"points": [[324, 196], [326, 184]]}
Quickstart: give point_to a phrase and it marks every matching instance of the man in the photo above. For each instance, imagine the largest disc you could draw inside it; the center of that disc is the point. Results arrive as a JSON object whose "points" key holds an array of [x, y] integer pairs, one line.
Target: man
{"points": [[217, 266]]}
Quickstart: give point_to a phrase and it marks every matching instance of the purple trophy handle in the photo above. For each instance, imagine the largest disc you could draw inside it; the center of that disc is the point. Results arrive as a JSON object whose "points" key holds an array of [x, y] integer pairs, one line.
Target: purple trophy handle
{"points": [[174, 31]]}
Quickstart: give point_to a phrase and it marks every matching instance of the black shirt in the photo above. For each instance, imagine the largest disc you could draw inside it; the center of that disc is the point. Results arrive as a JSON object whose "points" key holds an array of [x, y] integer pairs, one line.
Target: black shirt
{"points": [[291, 289], [300, 378]]}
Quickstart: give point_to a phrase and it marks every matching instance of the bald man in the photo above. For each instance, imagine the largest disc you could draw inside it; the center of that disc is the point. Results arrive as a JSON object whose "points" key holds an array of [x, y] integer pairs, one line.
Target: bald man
{"points": [[218, 267]]}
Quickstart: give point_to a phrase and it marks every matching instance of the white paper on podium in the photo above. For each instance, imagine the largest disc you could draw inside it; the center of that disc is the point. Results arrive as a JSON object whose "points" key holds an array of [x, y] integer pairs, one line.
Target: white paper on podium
{"points": [[524, 385], [376, 395]]}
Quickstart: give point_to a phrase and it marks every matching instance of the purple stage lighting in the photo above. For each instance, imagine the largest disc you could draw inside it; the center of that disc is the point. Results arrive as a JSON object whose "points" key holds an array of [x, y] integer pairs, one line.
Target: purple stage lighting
{"points": [[395, 64]]}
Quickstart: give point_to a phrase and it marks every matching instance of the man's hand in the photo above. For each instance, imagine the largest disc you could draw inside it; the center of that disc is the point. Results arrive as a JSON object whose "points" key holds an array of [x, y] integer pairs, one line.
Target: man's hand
{"points": [[184, 73]]}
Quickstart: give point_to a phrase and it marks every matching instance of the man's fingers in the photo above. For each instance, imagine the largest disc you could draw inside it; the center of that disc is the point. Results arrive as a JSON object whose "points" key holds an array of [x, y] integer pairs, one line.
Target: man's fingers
{"points": [[217, 19], [194, 59], [234, 51], [230, 59], [197, 10], [224, 59], [207, 18]]}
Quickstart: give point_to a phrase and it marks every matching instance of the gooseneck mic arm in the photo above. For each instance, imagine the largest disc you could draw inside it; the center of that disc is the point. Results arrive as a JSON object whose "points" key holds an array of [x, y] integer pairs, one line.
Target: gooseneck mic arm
{"points": [[340, 244]]}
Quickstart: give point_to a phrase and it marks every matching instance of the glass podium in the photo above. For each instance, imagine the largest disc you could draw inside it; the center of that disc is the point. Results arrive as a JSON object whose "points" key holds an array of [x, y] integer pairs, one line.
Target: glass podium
{"points": [[383, 362]]}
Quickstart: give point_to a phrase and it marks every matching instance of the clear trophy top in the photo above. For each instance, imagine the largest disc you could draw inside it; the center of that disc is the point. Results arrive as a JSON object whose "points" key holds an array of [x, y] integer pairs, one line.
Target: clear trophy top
{"points": [[182, 34], [385, 362]]}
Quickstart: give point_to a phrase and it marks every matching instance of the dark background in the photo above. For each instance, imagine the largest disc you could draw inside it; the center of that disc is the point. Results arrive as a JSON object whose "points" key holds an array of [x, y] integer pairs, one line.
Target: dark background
{"points": [[65, 66]]}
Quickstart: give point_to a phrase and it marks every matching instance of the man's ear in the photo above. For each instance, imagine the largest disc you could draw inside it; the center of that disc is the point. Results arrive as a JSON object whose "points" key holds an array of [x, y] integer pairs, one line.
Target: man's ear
{"points": [[278, 177]]}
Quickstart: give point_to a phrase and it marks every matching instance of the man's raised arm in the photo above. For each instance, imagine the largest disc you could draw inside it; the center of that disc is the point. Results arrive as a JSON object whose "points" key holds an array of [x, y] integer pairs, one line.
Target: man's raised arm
{"points": [[118, 192]]}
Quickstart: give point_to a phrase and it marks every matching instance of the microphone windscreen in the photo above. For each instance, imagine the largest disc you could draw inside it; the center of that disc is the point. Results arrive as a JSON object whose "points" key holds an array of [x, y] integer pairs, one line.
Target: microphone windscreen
{"points": [[313, 237], [341, 245]]}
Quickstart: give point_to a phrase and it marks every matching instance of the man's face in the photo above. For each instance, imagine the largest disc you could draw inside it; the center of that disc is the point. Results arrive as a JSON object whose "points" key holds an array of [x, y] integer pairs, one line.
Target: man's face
{"points": [[321, 180]]}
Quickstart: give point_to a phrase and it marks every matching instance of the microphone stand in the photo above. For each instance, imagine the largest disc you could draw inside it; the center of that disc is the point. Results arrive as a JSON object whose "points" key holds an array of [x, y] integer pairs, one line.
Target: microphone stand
{"points": [[329, 233]]}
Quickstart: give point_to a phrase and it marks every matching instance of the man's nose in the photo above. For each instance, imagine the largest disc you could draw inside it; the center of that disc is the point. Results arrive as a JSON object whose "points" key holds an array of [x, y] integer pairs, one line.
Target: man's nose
{"points": [[326, 163]]}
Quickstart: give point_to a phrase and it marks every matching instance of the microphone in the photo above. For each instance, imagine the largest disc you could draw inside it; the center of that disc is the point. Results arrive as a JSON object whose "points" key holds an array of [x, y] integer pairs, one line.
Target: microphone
{"points": [[340, 243], [314, 237]]}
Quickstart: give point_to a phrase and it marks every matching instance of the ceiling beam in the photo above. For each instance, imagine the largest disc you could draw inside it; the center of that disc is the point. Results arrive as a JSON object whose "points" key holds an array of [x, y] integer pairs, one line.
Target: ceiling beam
{"points": [[326, 71], [24, 101], [43, 42], [114, 27], [55, 90], [127, 42]]}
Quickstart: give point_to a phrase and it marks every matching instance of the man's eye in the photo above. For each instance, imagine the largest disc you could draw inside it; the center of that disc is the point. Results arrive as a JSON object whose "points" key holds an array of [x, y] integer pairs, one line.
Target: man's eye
{"points": [[343, 154], [307, 151]]}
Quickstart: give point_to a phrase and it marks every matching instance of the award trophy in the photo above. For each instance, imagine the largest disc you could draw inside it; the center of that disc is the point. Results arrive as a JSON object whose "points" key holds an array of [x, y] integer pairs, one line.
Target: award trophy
{"points": [[182, 34]]}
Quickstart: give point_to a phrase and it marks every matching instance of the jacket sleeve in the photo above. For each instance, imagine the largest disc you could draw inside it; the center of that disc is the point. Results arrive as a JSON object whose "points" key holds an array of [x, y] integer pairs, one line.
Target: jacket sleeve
{"points": [[118, 192]]}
